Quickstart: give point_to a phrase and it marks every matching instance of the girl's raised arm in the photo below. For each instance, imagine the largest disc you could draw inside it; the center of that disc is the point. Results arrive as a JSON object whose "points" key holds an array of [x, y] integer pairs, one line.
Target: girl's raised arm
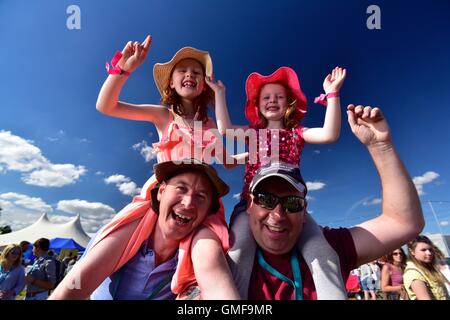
{"points": [[133, 55], [331, 129], [222, 116]]}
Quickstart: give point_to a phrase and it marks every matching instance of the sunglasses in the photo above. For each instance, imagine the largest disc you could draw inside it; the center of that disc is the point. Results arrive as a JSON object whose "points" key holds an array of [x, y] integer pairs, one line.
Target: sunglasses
{"points": [[291, 204], [396, 253], [15, 253]]}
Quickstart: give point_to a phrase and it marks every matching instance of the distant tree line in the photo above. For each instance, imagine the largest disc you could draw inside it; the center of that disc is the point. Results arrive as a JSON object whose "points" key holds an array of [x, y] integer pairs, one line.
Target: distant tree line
{"points": [[4, 229]]}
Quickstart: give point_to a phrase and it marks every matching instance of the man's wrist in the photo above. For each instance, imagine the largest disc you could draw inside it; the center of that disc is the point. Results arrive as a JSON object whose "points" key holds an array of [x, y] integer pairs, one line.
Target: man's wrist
{"points": [[381, 147]]}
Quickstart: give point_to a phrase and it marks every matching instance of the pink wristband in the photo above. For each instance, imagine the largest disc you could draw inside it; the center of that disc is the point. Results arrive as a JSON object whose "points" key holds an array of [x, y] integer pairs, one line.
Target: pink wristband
{"points": [[322, 99], [114, 68]]}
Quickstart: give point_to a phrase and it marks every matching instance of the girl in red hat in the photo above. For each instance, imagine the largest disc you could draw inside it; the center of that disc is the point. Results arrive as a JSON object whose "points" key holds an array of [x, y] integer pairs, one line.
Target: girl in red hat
{"points": [[275, 106]]}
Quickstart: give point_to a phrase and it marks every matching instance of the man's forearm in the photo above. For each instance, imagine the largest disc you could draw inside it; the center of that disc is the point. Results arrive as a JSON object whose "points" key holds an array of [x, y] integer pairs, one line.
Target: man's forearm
{"points": [[43, 284], [400, 199]]}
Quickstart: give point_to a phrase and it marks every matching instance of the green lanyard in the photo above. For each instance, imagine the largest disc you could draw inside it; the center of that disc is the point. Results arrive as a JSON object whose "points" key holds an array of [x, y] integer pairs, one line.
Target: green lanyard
{"points": [[296, 283]]}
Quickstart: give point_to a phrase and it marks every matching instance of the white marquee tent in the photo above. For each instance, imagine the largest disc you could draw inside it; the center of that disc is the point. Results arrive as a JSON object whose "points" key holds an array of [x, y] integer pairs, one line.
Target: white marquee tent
{"points": [[44, 228]]}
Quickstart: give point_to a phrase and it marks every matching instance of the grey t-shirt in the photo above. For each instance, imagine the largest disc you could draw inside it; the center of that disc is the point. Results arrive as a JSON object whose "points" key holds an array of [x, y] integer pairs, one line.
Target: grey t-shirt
{"points": [[43, 268]]}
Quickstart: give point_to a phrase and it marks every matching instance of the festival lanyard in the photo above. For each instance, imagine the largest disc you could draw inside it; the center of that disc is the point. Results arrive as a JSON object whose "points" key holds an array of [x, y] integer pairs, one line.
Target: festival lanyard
{"points": [[296, 284]]}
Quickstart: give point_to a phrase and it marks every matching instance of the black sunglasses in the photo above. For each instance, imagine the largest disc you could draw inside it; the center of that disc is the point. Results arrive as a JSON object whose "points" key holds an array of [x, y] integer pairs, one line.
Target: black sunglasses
{"points": [[291, 204]]}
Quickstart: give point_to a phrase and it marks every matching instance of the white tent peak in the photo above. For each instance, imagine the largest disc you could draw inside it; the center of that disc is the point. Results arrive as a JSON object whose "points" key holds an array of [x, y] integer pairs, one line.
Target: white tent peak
{"points": [[44, 228], [76, 222], [43, 218]]}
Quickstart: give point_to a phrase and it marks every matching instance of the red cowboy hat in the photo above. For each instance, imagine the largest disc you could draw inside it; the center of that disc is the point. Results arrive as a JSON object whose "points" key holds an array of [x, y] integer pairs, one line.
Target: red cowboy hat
{"points": [[256, 81]]}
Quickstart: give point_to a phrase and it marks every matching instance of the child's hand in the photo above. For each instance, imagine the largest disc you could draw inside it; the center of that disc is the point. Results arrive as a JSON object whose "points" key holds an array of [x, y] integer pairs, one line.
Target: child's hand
{"points": [[217, 86], [134, 54], [333, 82]]}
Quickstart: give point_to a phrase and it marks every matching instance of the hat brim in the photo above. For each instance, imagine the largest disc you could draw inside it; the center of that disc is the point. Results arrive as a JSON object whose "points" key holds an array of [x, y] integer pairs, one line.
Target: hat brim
{"points": [[166, 170], [296, 184], [163, 71], [256, 81]]}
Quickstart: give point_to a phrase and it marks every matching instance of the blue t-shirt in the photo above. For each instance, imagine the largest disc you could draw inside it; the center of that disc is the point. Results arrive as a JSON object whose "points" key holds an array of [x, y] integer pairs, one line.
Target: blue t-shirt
{"points": [[13, 279]]}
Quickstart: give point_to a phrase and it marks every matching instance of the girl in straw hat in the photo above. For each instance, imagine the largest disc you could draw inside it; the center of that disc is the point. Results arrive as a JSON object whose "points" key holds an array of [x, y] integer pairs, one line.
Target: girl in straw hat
{"points": [[181, 83], [276, 104]]}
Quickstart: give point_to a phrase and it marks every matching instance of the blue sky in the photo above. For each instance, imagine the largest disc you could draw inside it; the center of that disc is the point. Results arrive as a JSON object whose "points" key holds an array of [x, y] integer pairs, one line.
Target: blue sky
{"points": [[58, 154]]}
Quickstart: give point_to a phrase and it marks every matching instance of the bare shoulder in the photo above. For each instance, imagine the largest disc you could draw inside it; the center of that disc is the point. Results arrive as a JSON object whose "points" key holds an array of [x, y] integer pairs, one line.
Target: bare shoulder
{"points": [[204, 233]]}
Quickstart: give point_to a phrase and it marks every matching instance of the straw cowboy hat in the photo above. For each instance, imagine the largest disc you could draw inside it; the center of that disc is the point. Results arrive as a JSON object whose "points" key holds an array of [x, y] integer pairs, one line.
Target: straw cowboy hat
{"points": [[256, 81], [163, 71]]}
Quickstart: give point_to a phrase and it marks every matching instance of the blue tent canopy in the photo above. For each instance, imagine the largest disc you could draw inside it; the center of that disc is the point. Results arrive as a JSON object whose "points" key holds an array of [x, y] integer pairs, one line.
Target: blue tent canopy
{"points": [[57, 244]]}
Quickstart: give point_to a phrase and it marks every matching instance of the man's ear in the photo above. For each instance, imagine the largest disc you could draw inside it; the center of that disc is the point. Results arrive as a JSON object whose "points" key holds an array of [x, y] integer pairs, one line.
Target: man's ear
{"points": [[249, 203], [161, 189]]}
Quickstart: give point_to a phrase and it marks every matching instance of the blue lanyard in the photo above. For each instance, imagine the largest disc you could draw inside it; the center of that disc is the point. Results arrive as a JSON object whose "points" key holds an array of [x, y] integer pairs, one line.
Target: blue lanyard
{"points": [[296, 283]]}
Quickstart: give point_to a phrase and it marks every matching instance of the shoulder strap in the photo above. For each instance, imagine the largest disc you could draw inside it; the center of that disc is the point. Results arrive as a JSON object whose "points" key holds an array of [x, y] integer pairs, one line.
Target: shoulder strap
{"points": [[166, 129]]}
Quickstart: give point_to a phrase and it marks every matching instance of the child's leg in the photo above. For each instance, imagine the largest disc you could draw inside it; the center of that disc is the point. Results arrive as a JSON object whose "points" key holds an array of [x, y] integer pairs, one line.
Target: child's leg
{"points": [[210, 267], [323, 262], [242, 251]]}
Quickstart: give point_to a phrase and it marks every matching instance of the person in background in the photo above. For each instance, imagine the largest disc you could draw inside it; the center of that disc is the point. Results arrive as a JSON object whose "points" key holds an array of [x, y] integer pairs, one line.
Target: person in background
{"points": [[392, 274], [369, 277], [27, 253], [11, 272], [42, 276], [422, 278], [70, 263]]}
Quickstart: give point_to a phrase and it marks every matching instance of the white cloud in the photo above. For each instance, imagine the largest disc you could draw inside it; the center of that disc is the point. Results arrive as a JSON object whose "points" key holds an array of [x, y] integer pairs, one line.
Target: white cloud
{"points": [[129, 188], [20, 211], [124, 184], [83, 140], [11, 199], [316, 151], [93, 214], [145, 150], [372, 202], [4, 203], [444, 223], [116, 178], [86, 209], [420, 181], [317, 185], [54, 175], [18, 154]]}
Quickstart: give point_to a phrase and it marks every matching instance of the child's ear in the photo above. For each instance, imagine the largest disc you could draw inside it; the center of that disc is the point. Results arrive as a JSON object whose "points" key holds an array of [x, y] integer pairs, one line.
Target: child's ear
{"points": [[172, 86]]}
